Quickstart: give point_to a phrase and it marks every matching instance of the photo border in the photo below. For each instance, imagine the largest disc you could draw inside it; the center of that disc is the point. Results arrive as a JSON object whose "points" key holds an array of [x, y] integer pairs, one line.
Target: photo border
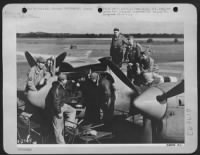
{"points": [[5, 89]]}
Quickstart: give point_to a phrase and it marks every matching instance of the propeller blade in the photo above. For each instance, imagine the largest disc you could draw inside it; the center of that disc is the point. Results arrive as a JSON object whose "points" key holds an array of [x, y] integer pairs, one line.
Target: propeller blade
{"points": [[119, 73], [60, 58], [177, 89], [30, 59]]}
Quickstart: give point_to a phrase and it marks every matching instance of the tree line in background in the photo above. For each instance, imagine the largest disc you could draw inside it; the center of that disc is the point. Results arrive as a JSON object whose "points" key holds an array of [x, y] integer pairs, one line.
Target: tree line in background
{"points": [[91, 35]]}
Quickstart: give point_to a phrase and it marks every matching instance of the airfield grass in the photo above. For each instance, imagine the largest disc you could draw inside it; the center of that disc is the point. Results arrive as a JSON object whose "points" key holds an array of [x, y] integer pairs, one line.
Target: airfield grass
{"points": [[165, 51], [162, 51]]}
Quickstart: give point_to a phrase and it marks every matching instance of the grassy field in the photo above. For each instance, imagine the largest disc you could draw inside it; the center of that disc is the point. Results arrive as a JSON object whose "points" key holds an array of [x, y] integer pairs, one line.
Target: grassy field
{"points": [[163, 52]]}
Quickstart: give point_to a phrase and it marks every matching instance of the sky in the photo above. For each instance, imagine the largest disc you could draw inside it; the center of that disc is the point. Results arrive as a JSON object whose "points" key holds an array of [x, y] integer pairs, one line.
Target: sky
{"points": [[88, 20]]}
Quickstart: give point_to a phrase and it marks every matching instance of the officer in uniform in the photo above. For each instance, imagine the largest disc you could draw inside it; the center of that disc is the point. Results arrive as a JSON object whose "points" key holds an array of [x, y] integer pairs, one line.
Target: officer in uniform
{"points": [[117, 47]]}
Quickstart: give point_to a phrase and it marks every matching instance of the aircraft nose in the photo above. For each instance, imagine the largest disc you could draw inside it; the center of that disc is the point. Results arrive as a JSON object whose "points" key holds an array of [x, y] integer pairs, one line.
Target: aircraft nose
{"points": [[148, 104]]}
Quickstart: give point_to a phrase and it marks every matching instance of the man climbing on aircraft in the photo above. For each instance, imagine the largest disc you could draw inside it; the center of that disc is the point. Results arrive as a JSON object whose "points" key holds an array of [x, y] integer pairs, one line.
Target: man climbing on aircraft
{"points": [[37, 75], [132, 56], [117, 47], [146, 71]]}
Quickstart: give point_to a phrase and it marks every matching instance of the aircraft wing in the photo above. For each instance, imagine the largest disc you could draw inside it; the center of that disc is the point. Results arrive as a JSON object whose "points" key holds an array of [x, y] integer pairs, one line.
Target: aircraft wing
{"points": [[72, 60], [81, 61], [93, 67]]}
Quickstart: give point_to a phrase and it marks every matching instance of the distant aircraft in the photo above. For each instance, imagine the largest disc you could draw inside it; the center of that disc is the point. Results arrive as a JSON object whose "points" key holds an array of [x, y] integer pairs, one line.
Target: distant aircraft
{"points": [[161, 116]]}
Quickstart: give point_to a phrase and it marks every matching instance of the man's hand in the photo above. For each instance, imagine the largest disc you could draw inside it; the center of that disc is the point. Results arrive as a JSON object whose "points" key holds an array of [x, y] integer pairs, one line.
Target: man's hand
{"points": [[138, 71], [42, 81], [138, 65], [26, 115], [59, 116], [47, 76], [130, 64], [142, 68]]}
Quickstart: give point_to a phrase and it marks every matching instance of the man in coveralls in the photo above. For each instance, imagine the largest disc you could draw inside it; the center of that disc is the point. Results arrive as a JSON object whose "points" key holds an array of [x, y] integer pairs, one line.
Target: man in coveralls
{"points": [[132, 56], [37, 75], [117, 47]]}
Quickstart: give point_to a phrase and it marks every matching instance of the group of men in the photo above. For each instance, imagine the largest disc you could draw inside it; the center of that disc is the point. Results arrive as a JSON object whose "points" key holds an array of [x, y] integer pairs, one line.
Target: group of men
{"points": [[140, 68], [58, 101], [58, 107]]}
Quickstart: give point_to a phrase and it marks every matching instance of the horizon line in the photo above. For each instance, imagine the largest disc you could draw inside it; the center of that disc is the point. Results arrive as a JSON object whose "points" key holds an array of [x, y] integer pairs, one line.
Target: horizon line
{"points": [[95, 33]]}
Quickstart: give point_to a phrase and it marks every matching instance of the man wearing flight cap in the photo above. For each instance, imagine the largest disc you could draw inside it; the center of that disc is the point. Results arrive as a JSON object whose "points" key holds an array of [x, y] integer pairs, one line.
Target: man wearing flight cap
{"points": [[37, 75], [132, 56], [117, 47], [58, 103]]}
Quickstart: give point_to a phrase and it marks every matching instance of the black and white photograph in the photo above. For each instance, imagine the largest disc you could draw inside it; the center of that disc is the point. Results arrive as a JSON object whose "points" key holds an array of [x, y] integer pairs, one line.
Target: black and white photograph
{"points": [[114, 74]]}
